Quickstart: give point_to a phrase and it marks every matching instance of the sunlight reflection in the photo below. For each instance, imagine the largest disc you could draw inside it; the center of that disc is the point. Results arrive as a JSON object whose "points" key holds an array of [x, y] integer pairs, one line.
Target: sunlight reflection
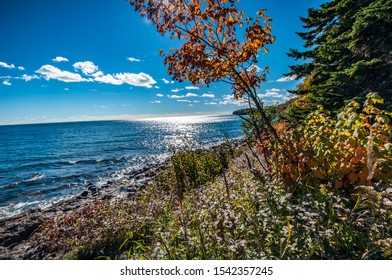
{"points": [[180, 131]]}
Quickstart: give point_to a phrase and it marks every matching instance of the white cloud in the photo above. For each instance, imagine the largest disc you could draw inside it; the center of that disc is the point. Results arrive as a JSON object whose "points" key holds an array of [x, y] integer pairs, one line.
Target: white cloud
{"points": [[5, 65], [183, 100], [138, 80], [258, 69], [60, 59], [159, 94], [211, 103], [66, 89], [192, 88], [167, 82], [190, 94], [156, 101], [132, 59], [190, 105], [286, 79], [288, 97], [7, 83], [87, 67], [28, 78], [51, 72], [176, 96], [107, 79], [208, 95], [176, 90], [275, 93], [21, 68], [230, 100], [24, 77], [90, 69], [157, 87], [97, 74], [196, 101]]}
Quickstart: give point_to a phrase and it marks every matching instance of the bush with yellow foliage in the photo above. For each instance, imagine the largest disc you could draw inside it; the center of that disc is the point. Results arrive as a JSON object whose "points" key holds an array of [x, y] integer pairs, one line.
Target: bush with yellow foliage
{"points": [[353, 149]]}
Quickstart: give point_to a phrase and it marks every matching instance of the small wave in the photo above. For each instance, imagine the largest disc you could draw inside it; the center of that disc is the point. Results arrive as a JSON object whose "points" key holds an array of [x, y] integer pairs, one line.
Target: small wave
{"points": [[100, 160], [16, 208], [51, 164], [34, 177], [52, 190], [37, 176]]}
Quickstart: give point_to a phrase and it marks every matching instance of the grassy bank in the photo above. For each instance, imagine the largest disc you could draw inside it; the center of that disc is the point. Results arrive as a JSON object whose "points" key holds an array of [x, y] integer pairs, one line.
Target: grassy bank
{"points": [[220, 204]]}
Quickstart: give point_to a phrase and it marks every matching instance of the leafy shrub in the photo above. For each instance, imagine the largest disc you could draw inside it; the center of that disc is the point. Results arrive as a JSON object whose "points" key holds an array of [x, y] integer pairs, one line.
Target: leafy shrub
{"points": [[354, 149], [195, 167]]}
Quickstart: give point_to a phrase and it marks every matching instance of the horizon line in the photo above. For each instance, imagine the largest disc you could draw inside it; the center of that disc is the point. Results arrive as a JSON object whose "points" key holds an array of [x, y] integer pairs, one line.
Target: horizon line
{"points": [[112, 118]]}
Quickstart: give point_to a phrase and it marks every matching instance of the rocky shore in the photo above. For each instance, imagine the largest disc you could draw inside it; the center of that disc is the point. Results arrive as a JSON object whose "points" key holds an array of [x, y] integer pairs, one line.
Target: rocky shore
{"points": [[15, 231]]}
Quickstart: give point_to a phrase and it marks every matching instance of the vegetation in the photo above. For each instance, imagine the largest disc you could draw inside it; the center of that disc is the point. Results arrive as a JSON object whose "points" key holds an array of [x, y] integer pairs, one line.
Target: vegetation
{"points": [[352, 149], [348, 52]]}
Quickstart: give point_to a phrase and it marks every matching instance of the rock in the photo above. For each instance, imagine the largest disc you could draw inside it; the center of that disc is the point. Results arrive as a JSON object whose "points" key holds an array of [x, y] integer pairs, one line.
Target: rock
{"points": [[69, 208], [90, 185], [93, 189], [83, 194]]}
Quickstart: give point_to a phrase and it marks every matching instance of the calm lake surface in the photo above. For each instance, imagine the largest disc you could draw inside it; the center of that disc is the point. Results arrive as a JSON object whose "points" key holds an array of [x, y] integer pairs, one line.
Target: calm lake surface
{"points": [[44, 163]]}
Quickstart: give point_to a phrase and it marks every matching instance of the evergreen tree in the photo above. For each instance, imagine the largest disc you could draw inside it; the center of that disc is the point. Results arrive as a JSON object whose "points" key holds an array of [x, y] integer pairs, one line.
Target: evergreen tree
{"points": [[348, 52]]}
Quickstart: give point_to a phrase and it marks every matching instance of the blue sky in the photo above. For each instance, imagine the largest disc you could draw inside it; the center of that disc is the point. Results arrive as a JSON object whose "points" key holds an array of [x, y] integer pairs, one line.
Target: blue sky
{"points": [[98, 59]]}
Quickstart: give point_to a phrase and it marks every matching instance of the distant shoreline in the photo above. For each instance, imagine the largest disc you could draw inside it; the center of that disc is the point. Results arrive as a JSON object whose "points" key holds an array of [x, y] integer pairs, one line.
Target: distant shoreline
{"points": [[117, 118]]}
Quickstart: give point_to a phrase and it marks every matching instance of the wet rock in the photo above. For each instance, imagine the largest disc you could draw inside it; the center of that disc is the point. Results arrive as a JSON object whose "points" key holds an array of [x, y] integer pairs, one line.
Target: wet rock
{"points": [[83, 194], [93, 189]]}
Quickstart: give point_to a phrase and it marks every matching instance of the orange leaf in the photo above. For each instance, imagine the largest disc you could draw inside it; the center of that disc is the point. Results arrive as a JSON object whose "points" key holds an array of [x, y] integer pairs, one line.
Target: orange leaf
{"points": [[353, 177], [319, 174]]}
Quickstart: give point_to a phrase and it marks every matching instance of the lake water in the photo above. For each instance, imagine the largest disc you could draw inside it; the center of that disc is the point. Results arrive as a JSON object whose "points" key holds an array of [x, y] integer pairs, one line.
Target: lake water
{"points": [[45, 163]]}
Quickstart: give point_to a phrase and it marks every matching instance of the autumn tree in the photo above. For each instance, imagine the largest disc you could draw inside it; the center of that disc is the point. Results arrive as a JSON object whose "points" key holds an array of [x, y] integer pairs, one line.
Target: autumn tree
{"points": [[213, 50]]}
